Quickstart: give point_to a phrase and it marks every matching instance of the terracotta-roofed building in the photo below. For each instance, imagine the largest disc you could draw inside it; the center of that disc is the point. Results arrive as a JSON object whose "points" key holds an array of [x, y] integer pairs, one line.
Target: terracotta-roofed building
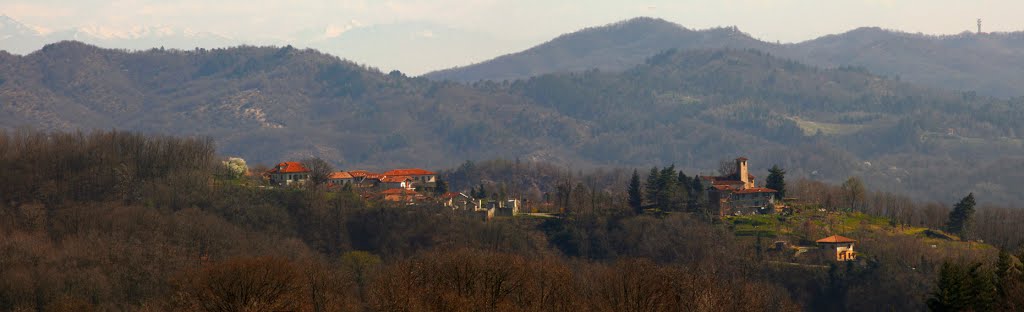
{"points": [[288, 172], [400, 195], [340, 178], [391, 182], [841, 246], [419, 176], [737, 193], [360, 173]]}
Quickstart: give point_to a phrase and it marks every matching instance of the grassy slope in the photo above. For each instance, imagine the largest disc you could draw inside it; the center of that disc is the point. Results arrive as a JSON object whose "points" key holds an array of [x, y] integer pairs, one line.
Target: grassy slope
{"points": [[809, 224]]}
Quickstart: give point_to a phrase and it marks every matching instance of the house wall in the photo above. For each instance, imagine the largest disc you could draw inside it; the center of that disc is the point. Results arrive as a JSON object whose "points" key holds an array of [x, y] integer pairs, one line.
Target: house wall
{"points": [[288, 178], [841, 252]]}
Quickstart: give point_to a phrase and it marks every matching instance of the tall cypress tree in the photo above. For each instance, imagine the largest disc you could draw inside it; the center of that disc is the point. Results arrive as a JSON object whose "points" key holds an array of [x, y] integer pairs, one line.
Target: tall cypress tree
{"points": [[776, 180], [635, 193], [962, 217]]}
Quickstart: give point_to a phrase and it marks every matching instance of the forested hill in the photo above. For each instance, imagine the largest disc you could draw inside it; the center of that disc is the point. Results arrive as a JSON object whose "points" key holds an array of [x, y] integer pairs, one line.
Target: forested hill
{"points": [[613, 47], [990, 63], [691, 108]]}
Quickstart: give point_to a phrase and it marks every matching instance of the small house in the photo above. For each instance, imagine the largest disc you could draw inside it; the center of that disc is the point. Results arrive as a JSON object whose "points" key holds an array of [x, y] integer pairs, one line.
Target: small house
{"points": [[288, 172], [341, 178], [420, 177], [841, 247], [394, 182]]}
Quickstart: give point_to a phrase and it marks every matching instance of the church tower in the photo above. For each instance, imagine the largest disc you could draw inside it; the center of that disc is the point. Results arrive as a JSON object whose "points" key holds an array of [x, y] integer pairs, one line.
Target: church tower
{"points": [[744, 175]]}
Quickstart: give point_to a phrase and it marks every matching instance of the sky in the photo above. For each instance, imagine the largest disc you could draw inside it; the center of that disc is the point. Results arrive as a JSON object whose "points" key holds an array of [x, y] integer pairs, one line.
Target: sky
{"points": [[497, 27]]}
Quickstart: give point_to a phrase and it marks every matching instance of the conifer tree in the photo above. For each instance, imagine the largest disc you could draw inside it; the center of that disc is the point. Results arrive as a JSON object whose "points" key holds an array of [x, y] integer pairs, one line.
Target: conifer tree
{"points": [[668, 194], [776, 180], [1003, 272], [981, 291], [962, 217], [951, 290], [635, 193], [652, 187], [440, 187], [482, 193]]}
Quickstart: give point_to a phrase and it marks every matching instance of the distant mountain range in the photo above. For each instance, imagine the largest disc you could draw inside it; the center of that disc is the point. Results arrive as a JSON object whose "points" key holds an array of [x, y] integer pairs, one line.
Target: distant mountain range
{"points": [[16, 37], [691, 107], [990, 63], [384, 45]]}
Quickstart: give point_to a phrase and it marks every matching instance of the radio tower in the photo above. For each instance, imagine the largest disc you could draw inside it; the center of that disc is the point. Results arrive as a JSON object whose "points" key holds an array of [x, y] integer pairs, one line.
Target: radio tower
{"points": [[979, 26]]}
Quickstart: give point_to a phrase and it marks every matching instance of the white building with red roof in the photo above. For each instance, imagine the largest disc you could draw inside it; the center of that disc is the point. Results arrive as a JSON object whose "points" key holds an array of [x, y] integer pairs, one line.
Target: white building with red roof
{"points": [[288, 172], [841, 247], [419, 176]]}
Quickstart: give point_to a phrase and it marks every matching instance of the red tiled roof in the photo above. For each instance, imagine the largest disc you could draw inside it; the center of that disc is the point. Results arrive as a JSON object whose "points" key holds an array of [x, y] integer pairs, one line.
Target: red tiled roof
{"points": [[409, 172], [339, 175], [721, 187], [835, 239], [289, 167], [726, 182], [395, 179], [742, 159], [397, 191], [360, 173], [756, 190]]}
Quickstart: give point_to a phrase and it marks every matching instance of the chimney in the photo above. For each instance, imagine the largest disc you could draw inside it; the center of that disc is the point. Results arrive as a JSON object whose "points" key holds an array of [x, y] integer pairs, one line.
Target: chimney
{"points": [[741, 170]]}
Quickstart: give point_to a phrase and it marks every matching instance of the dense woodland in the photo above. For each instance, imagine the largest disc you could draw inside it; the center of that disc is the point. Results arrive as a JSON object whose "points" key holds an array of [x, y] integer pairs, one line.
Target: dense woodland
{"points": [[692, 108], [125, 221]]}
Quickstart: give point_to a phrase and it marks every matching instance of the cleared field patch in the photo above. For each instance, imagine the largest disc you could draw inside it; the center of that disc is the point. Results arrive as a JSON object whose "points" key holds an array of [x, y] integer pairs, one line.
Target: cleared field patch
{"points": [[813, 127]]}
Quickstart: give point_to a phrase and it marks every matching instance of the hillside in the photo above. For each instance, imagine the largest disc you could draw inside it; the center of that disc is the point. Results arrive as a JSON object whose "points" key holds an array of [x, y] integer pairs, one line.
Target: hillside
{"points": [[989, 63], [691, 108], [613, 47]]}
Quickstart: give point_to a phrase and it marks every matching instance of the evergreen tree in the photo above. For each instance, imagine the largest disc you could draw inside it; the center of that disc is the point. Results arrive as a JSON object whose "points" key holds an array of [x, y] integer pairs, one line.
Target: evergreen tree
{"points": [[684, 183], [1004, 273], [776, 180], [981, 291], [635, 193], [669, 195], [652, 187], [962, 217], [440, 187], [951, 290], [684, 180], [481, 193]]}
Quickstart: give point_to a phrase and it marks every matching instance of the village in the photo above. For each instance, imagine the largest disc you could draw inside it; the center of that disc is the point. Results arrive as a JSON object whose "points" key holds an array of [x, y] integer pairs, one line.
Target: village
{"points": [[731, 195], [399, 186]]}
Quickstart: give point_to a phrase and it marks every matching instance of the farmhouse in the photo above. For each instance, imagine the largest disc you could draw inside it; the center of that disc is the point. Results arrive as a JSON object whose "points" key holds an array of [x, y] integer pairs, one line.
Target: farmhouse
{"points": [[841, 247], [340, 178], [288, 172], [737, 193], [420, 178]]}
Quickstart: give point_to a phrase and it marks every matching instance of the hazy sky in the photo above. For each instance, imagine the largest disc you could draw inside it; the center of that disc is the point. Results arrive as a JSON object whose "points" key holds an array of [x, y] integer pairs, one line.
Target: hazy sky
{"points": [[517, 24]]}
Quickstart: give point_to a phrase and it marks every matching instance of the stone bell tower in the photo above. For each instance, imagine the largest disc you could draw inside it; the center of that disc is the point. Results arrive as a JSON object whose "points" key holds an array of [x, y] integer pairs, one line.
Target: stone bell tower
{"points": [[744, 175]]}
